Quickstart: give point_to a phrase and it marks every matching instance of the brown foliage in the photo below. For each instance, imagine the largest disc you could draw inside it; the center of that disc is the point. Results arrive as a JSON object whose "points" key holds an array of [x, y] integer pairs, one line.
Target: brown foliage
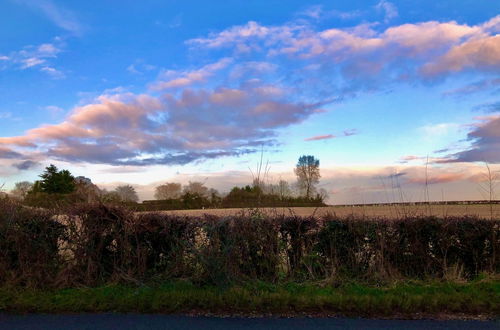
{"points": [[93, 244], [29, 252]]}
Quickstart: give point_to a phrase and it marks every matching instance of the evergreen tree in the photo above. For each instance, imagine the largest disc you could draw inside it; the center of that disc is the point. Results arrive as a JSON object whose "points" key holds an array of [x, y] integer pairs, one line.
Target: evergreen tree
{"points": [[54, 181]]}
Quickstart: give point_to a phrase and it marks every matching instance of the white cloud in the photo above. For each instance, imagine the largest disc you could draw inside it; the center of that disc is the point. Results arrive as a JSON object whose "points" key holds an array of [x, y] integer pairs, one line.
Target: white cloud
{"points": [[36, 57], [434, 131], [140, 67], [131, 68], [62, 17], [313, 12], [389, 9], [31, 62], [54, 73]]}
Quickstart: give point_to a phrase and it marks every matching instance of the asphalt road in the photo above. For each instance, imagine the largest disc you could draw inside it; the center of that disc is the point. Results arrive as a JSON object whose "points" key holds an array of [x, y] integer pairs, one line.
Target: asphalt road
{"points": [[144, 321]]}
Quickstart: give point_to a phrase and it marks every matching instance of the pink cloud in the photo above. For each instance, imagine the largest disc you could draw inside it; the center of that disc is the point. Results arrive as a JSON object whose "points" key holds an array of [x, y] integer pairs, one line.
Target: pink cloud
{"points": [[480, 54], [188, 78], [36, 57], [419, 38], [320, 137], [188, 122], [437, 178], [345, 133], [128, 129], [435, 47], [409, 158]]}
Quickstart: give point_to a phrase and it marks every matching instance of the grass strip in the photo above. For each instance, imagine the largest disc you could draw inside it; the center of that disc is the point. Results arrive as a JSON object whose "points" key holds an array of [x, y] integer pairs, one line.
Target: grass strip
{"points": [[400, 299]]}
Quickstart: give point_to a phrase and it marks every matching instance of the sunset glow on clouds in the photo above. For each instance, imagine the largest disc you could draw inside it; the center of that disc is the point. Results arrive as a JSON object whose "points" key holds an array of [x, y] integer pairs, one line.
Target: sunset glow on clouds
{"points": [[365, 87]]}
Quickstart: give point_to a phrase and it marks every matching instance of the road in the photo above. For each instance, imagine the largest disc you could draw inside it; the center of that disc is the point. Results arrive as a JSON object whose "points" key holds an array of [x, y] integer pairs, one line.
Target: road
{"points": [[172, 322]]}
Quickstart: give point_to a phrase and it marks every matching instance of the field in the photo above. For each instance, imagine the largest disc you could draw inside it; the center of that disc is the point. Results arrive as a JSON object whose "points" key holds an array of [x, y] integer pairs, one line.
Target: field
{"points": [[389, 211]]}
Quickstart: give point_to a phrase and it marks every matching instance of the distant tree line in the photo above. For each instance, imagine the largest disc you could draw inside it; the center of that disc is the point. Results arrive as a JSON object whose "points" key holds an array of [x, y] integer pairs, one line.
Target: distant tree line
{"points": [[58, 187], [260, 194]]}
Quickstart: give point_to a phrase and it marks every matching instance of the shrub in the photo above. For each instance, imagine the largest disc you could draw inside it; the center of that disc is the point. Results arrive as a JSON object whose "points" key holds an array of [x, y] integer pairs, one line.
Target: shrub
{"points": [[299, 236], [239, 248], [160, 246], [94, 244], [97, 242], [29, 251]]}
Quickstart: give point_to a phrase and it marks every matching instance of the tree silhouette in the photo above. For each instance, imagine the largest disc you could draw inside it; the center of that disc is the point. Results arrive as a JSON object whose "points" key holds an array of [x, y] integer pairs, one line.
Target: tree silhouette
{"points": [[307, 172], [168, 190], [55, 181], [21, 189], [195, 187], [127, 193]]}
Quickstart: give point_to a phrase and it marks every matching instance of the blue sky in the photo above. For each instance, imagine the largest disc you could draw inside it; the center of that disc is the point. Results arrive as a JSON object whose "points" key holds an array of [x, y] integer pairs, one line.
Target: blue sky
{"points": [[153, 91]]}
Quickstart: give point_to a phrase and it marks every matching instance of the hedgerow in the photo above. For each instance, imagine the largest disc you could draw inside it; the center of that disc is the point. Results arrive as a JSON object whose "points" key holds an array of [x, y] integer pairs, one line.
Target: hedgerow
{"points": [[96, 244]]}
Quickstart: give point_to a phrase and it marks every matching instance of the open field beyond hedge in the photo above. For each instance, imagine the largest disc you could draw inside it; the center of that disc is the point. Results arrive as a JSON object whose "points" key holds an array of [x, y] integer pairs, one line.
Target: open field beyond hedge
{"points": [[479, 210]]}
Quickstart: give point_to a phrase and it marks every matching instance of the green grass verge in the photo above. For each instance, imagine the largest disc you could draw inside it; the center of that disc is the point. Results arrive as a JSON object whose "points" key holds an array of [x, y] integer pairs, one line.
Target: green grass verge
{"points": [[401, 299]]}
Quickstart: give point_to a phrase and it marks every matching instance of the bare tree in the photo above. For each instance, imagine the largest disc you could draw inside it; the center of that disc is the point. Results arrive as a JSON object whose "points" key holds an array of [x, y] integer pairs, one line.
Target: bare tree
{"points": [[169, 190], [86, 190], [487, 188], [284, 189], [21, 189], [213, 194], [195, 187], [307, 172], [323, 194], [127, 193], [109, 196]]}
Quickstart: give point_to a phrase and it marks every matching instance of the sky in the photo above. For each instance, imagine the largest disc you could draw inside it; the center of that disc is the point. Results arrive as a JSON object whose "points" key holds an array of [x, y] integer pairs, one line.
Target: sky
{"points": [[386, 94]]}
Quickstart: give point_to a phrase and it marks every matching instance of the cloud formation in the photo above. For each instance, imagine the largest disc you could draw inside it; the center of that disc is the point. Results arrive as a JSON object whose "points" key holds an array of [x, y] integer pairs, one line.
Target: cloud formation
{"points": [[347, 132], [489, 107], [61, 17], [174, 79], [35, 57], [240, 101], [389, 9], [421, 50], [25, 165], [485, 142], [484, 85], [481, 54], [437, 178], [7, 153], [409, 158], [128, 129], [320, 137]]}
